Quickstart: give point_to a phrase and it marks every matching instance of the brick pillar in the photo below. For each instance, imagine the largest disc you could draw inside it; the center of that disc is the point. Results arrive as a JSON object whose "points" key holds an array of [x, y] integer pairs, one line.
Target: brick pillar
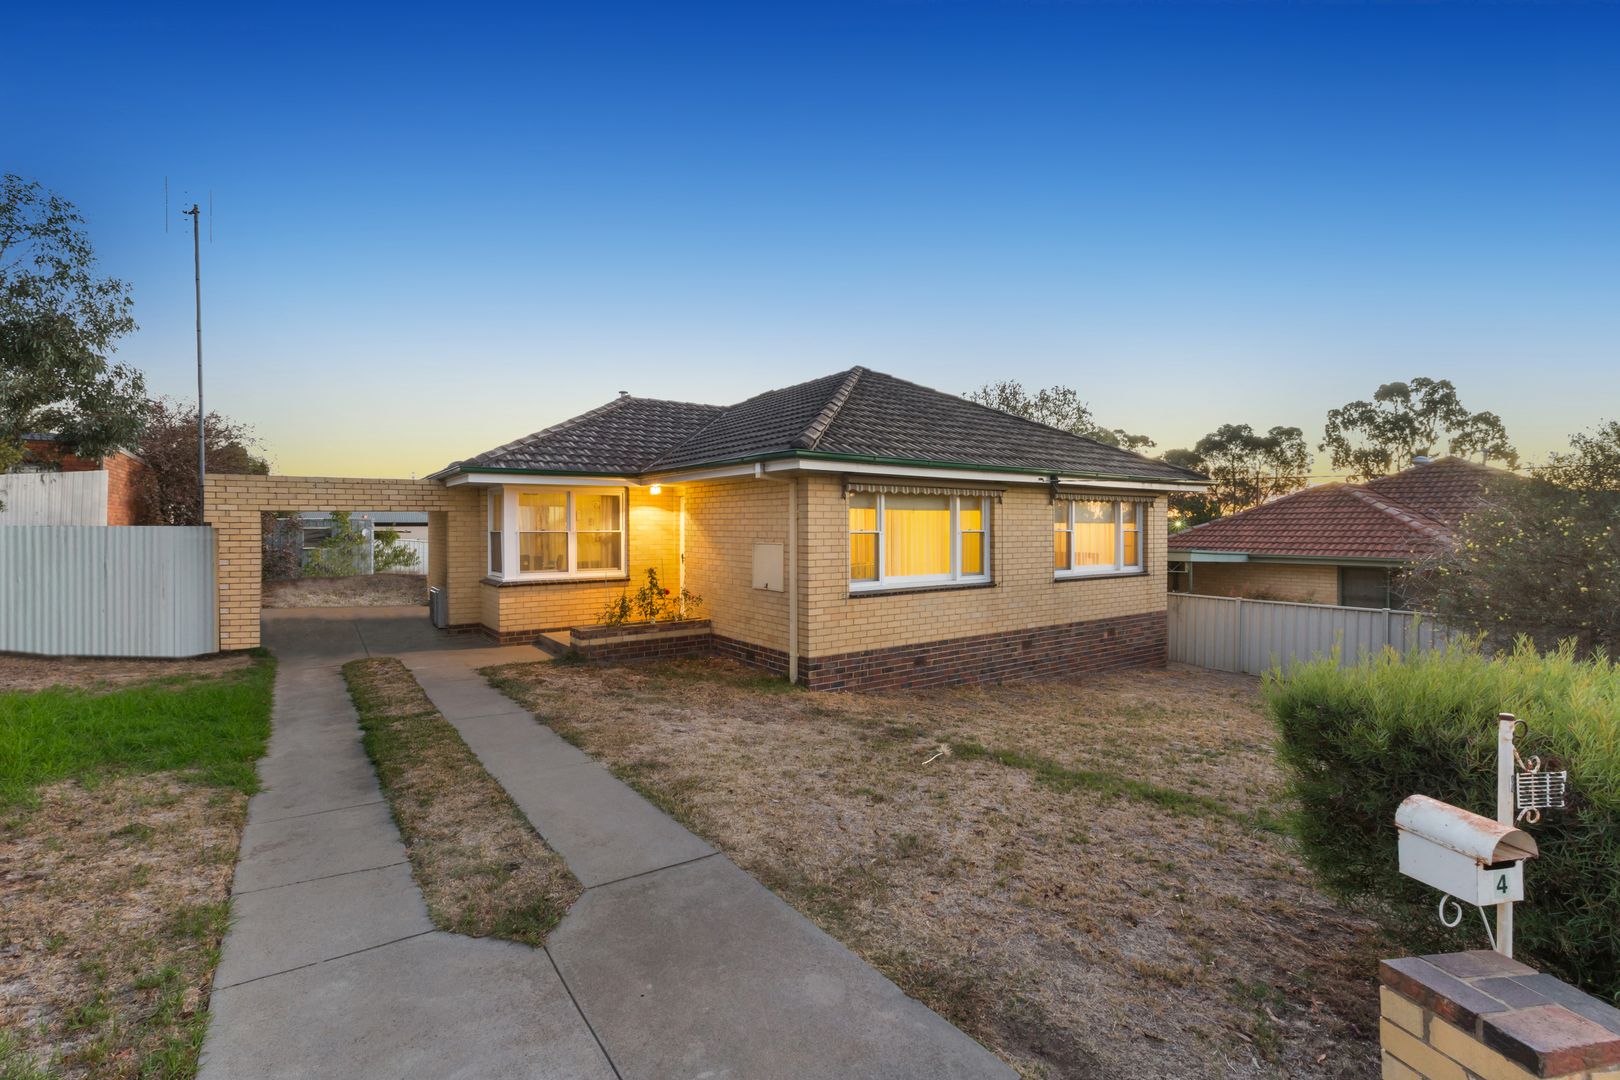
{"points": [[1472, 1015]]}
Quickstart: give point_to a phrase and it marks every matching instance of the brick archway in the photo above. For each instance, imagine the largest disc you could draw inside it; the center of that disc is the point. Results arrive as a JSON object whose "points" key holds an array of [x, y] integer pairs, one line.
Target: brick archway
{"points": [[234, 503]]}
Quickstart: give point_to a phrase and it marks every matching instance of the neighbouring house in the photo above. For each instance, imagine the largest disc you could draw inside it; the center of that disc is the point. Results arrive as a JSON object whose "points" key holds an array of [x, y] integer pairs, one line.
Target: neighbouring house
{"points": [[53, 486], [853, 531], [1345, 544]]}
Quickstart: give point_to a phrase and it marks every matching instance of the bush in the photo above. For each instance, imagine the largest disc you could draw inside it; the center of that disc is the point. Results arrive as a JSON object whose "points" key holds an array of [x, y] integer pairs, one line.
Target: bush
{"points": [[652, 602], [1356, 742]]}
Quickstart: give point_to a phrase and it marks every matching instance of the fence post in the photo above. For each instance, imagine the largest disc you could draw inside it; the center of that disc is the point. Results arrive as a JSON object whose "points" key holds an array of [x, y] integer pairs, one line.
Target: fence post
{"points": [[1238, 664], [1389, 634]]}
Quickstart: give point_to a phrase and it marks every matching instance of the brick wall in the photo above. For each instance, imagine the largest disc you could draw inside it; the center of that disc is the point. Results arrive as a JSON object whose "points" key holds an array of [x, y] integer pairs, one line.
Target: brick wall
{"points": [[125, 476], [1025, 594], [1003, 656], [519, 611], [1481, 1016], [1298, 583], [235, 502], [1026, 624], [661, 641], [724, 520]]}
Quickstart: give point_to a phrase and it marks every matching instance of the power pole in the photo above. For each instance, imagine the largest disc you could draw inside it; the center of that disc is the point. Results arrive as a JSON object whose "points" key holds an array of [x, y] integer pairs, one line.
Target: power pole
{"points": [[202, 443]]}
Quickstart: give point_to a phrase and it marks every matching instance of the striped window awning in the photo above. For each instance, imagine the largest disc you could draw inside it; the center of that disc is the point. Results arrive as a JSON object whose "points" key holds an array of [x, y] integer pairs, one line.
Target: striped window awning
{"points": [[1098, 496], [889, 488]]}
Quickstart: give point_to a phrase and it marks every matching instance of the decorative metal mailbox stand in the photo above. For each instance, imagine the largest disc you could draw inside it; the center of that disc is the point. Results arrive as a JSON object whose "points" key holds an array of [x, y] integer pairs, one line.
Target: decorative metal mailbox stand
{"points": [[1471, 858]]}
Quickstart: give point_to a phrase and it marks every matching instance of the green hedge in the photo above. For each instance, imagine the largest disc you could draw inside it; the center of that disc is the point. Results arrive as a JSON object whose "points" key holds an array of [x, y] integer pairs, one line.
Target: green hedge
{"points": [[1356, 742]]}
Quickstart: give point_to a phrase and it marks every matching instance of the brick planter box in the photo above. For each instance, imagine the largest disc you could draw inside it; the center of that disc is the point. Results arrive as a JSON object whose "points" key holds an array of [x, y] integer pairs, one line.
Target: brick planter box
{"points": [[643, 641]]}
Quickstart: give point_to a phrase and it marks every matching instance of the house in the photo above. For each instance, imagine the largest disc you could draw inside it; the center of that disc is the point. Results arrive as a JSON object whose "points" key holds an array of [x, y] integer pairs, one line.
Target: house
{"points": [[53, 486], [856, 530], [1341, 544]]}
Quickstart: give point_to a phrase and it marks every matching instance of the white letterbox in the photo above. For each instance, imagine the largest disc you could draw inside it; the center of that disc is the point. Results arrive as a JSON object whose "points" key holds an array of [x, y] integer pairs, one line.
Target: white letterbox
{"points": [[1468, 856]]}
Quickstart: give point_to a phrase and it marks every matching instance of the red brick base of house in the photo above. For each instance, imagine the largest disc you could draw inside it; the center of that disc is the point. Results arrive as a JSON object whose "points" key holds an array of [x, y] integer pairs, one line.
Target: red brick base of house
{"points": [[1039, 653]]}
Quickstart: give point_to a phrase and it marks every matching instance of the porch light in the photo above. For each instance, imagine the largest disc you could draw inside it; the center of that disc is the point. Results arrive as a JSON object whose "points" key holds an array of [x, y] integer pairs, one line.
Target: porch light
{"points": [[656, 489]]}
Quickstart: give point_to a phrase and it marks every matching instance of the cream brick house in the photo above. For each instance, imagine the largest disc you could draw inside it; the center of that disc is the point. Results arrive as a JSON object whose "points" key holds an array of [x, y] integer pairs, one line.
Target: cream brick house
{"points": [[856, 530]]}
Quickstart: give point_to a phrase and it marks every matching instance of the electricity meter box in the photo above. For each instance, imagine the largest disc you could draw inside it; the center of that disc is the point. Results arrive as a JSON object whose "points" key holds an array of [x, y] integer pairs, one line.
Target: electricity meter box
{"points": [[1476, 859]]}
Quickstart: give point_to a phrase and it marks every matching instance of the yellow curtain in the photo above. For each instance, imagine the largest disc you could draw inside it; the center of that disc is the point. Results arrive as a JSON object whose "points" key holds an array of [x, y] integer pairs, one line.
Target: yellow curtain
{"points": [[916, 535]]}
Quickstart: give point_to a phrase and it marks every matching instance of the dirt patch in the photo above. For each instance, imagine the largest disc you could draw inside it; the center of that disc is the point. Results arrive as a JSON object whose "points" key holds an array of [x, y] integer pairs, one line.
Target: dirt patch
{"points": [[482, 868], [375, 590], [30, 673], [1085, 875], [113, 902]]}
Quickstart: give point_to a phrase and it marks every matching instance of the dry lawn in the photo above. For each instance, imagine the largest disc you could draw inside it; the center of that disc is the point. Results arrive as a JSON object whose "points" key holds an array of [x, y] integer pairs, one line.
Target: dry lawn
{"points": [[482, 868], [1086, 876], [375, 590], [30, 673], [113, 901]]}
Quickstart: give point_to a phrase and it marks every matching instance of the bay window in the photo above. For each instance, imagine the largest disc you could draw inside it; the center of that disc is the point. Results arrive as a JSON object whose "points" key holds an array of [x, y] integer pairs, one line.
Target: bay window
{"points": [[1096, 536], [545, 532], [497, 515], [903, 539]]}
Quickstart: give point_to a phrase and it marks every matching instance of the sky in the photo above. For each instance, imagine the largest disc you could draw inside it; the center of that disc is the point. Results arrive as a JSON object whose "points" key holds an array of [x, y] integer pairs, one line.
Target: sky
{"points": [[434, 230]]}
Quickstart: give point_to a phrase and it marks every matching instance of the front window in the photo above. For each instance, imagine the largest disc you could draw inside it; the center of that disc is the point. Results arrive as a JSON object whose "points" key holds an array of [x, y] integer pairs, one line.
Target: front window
{"points": [[898, 540], [557, 532], [1096, 536], [496, 516]]}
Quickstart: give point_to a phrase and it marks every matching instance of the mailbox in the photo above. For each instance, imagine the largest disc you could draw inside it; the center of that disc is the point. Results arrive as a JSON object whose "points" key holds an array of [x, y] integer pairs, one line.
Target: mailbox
{"points": [[1473, 858]]}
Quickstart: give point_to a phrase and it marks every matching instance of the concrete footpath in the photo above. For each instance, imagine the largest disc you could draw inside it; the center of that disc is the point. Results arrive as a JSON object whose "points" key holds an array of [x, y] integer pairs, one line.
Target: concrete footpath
{"points": [[673, 964]]}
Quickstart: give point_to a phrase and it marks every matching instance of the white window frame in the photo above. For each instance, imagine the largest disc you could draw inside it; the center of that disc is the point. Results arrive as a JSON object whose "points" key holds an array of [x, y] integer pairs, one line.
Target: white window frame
{"points": [[511, 544], [490, 526], [1119, 567], [885, 583]]}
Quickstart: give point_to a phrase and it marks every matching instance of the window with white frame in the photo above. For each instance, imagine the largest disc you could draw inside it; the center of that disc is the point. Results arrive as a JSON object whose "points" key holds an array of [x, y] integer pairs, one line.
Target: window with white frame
{"points": [[545, 532], [497, 515], [1096, 536], [899, 539]]}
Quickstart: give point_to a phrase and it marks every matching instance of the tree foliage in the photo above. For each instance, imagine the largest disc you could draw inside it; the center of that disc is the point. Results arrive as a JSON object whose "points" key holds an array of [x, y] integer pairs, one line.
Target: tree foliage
{"points": [[1406, 419], [342, 552], [1245, 469], [1056, 406], [169, 448], [59, 320], [1542, 558]]}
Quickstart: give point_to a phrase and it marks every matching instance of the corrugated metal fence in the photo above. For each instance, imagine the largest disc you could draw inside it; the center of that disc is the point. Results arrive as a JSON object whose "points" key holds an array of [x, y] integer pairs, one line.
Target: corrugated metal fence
{"points": [[1232, 634], [72, 498], [94, 590]]}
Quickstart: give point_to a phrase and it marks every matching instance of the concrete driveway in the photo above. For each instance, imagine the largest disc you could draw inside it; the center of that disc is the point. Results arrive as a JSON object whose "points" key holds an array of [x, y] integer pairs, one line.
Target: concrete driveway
{"points": [[674, 963]]}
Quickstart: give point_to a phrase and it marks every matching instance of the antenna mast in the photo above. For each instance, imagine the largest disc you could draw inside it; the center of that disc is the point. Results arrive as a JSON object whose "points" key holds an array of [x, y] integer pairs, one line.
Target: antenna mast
{"points": [[202, 444]]}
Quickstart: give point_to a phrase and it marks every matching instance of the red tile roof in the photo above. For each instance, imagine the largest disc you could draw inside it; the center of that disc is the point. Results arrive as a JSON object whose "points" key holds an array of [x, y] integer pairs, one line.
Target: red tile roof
{"points": [[1394, 518]]}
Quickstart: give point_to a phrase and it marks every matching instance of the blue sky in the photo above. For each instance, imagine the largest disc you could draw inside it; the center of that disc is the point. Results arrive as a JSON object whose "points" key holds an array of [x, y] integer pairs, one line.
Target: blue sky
{"points": [[436, 230]]}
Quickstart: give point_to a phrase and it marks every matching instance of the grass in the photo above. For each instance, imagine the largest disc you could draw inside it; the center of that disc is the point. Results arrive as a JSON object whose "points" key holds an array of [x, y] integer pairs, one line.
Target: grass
{"points": [[482, 868], [211, 730], [126, 806], [1079, 882]]}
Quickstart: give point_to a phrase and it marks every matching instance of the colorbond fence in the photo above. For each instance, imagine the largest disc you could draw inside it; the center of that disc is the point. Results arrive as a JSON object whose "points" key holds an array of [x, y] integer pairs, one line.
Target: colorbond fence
{"points": [[1253, 636], [91, 590], [72, 498]]}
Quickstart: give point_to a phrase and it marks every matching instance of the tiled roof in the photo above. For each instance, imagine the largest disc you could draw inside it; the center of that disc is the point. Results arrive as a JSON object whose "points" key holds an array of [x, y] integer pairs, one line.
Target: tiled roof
{"points": [[857, 413], [619, 438], [1444, 490], [1395, 518]]}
